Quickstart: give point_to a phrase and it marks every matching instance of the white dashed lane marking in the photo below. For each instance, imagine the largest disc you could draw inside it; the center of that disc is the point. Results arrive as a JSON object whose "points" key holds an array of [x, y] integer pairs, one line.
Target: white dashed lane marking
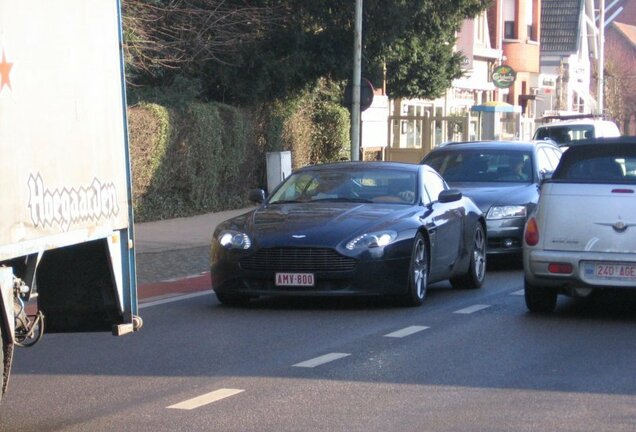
{"points": [[205, 399], [471, 309], [518, 293], [321, 360], [406, 332]]}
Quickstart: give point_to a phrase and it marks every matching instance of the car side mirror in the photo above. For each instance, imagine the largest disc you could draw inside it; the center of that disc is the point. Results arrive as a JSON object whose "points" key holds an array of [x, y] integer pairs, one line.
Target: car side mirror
{"points": [[449, 195], [257, 195]]}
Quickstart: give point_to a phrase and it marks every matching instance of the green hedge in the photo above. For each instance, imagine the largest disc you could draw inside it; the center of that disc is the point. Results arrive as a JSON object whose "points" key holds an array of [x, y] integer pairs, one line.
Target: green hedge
{"points": [[330, 138], [188, 161], [314, 130], [201, 157]]}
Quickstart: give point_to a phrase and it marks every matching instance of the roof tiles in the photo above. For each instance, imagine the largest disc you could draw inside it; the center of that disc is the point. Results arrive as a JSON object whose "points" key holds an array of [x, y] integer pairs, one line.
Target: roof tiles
{"points": [[560, 25]]}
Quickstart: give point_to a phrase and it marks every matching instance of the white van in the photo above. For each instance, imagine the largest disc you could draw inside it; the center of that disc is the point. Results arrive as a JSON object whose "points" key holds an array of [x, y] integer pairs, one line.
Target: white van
{"points": [[564, 132]]}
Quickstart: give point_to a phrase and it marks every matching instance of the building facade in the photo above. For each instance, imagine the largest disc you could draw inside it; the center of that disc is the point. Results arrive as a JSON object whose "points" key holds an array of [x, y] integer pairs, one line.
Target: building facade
{"points": [[620, 64], [568, 44], [516, 24], [507, 33]]}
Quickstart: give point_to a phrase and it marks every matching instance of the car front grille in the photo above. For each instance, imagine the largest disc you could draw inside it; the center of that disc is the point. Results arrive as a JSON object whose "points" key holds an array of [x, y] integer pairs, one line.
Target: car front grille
{"points": [[297, 260]]}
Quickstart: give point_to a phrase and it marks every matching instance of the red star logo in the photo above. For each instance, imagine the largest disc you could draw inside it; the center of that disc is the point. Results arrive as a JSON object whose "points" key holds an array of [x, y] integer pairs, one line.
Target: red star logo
{"points": [[5, 69]]}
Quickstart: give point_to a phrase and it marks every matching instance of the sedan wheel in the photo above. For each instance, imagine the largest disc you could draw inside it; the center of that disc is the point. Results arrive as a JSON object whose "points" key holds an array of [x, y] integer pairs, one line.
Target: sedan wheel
{"points": [[476, 273], [418, 273], [539, 299]]}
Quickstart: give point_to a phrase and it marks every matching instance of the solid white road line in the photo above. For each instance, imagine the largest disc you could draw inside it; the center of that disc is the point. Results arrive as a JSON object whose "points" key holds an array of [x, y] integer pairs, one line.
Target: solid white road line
{"points": [[205, 399], [174, 299], [406, 332], [177, 279], [321, 360], [519, 292], [471, 309]]}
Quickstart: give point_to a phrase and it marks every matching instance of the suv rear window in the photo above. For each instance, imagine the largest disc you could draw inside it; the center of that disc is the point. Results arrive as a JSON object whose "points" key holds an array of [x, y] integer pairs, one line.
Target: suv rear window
{"points": [[598, 164], [565, 134]]}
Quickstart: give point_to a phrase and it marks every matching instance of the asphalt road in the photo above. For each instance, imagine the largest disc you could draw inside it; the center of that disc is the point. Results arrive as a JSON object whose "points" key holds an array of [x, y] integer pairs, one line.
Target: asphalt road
{"points": [[464, 361]]}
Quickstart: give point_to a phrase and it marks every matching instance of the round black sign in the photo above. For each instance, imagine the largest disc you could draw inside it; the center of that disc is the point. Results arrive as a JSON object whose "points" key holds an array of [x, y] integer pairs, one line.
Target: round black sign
{"points": [[366, 94]]}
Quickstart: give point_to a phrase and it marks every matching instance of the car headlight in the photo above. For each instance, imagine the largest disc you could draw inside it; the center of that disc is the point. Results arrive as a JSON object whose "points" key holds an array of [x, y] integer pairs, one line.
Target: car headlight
{"points": [[503, 212], [372, 240], [230, 239]]}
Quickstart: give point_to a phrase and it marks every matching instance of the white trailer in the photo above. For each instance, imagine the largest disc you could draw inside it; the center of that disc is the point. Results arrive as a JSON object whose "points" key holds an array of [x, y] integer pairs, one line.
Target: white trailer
{"points": [[67, 259]]}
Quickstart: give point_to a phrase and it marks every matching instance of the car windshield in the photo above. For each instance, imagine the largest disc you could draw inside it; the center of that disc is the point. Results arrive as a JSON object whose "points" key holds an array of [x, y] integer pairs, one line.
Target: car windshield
{"points": [[361, 185], [482, 165], [598, 167]]}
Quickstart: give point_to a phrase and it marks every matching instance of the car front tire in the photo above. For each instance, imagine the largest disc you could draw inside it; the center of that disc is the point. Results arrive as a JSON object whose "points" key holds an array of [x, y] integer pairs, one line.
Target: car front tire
{"points": [[418, 273], [232, 299], [539, 300]]}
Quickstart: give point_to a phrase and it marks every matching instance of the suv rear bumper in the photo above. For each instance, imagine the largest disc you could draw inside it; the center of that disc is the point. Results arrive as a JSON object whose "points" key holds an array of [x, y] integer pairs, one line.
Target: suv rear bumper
{"points": [[536, 265]]}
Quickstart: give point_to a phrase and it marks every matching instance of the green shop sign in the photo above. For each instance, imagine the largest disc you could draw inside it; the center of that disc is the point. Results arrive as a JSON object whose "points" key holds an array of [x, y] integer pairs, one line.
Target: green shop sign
{"points": [[503, 76]]}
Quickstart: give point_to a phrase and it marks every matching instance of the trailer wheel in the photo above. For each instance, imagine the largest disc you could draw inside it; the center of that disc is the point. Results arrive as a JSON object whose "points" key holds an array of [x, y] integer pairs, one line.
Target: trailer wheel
{"points": [[6, 357], [2, 381]]}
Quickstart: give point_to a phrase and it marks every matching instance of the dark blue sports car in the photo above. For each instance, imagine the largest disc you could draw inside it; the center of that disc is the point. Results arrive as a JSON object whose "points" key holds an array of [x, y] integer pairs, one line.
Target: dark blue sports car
{"points": [[351, 228]]}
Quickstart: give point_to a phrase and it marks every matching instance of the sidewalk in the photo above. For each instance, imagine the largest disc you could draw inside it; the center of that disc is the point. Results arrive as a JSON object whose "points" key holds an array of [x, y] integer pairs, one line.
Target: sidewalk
{"points": [[173, 255], [180, 233]]}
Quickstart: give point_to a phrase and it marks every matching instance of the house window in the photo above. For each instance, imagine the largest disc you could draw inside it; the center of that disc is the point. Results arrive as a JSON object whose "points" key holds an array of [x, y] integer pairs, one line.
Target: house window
{"points": [[481, 30], [529, 18], [508, 18], [509, 30]]}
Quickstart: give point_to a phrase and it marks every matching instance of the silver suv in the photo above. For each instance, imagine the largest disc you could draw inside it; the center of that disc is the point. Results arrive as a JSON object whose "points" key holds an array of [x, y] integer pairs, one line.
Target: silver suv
{"points": [[582, 235]]}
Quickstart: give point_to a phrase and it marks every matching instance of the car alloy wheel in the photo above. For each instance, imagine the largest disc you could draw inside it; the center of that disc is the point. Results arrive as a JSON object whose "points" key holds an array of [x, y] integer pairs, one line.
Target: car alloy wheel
{"points": [[476, 272], [479, 254], [418, 273]]}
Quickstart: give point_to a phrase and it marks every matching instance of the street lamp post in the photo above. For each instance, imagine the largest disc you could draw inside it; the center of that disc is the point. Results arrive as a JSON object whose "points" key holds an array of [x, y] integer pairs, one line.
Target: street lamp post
{"points": [[601, 57], [355, 102]]}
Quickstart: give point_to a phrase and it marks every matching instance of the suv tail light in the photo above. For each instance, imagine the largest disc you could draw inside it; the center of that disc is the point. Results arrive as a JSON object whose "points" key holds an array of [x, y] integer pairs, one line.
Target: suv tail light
{"points": [[560, 268], [532, 232]]}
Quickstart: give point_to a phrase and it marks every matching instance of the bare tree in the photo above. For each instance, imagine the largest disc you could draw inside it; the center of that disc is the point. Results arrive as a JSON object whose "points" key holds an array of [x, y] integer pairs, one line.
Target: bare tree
{"points": [[160, 35], [620, 91]]}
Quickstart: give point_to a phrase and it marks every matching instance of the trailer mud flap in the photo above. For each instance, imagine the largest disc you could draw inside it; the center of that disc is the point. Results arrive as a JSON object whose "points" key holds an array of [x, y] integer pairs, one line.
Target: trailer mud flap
{"points": [[76, 289]]}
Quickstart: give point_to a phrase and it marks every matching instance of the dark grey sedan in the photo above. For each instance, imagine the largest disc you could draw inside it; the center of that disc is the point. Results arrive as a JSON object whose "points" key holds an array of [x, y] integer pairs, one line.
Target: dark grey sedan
{"points": [[502, 178]]}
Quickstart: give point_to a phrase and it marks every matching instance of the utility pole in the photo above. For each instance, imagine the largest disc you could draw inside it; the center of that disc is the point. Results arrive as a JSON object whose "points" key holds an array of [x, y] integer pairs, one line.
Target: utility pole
{"points": [[601, 57], [355, 102]]}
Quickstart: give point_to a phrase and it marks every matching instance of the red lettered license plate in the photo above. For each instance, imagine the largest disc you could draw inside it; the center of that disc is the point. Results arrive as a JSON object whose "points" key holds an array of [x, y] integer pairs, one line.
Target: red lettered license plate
{"points": [[622, 272], [294, 279]]}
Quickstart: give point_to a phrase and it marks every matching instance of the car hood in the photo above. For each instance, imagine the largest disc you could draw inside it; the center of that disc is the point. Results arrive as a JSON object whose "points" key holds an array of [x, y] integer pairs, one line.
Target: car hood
{"points": [[319, 224], [485, 195]]}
